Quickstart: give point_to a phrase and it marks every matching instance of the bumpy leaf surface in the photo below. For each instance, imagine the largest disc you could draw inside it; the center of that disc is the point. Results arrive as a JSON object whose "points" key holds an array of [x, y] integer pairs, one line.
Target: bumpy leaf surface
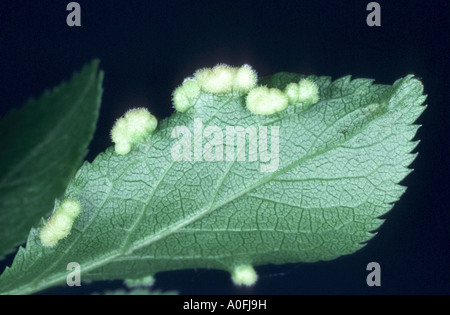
{"points": [[340, 162]]}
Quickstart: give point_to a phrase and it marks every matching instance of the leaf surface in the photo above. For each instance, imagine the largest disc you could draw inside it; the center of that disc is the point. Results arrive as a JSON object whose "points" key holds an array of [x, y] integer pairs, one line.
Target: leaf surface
{"points": [[340, 162], [43, 144]]}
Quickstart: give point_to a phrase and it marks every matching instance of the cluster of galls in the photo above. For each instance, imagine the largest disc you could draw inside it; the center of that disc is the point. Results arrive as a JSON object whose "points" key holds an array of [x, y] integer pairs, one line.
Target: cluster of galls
{"points": [[260, 100], [136, 124]]}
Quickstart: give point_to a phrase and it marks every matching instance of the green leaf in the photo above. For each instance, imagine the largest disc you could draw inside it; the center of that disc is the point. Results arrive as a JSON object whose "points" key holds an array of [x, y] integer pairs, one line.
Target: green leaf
{"points": [[340, 162], [43, 144]]}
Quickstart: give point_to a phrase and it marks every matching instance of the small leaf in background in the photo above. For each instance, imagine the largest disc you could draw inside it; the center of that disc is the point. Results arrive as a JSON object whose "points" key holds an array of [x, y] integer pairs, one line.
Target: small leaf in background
{"points": [[42, 145]]}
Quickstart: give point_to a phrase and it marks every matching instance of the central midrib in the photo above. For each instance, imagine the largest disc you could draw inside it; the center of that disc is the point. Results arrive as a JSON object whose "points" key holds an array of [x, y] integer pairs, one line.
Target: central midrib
{"points": [[213, 206]]}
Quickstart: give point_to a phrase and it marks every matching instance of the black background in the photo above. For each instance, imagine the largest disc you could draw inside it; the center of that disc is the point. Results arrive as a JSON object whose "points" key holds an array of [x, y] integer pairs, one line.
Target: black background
{"points": [[146, 48]]}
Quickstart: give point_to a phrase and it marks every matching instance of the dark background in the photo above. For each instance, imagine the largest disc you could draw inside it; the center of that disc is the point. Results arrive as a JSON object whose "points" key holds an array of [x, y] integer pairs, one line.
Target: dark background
{"points": [[146, 48]]}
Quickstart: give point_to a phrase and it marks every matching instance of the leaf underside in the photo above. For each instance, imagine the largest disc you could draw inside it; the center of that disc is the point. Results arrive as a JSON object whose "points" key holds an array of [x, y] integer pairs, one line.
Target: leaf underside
{"points": [[43, 144], [340, 162]]}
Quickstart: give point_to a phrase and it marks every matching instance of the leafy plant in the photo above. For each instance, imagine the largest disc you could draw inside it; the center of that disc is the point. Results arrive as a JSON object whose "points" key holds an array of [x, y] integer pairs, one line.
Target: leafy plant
{"points": [[43, 144], [178, 196]]}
